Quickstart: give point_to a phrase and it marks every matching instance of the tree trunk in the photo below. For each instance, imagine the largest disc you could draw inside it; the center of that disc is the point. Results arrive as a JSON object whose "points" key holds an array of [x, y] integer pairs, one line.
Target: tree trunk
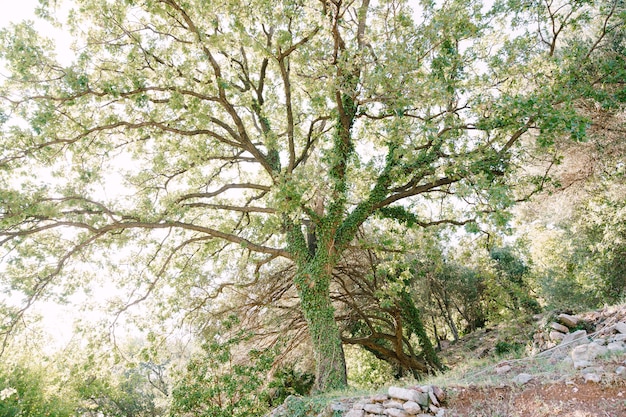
{"points": [[414, 322], [416, 365], [330, 364], [445, 310]]}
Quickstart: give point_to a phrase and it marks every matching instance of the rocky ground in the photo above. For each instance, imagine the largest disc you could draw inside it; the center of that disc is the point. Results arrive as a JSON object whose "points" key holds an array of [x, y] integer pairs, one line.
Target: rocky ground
{"points": [[574, 367], [539, 399]]}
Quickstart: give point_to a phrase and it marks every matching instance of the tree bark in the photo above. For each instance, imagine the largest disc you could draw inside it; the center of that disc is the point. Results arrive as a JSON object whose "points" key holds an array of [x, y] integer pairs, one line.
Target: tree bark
{"points": [[414, 322], [330, 364]]}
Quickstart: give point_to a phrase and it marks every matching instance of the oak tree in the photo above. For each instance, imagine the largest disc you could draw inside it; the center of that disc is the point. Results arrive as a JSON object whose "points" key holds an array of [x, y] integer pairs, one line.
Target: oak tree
{"points": [[209, 139]]}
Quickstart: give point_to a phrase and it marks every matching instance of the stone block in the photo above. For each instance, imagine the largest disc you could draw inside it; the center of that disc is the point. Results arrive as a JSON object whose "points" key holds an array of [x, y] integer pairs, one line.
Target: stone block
{"points": [[616, 347], [579, 336], [379, 398], [556, 335], [567, 320], [354, 413], [433, 398], [374, 408], [403, 394], [522, 378], [394, 412], [621, 327], [393, 404], [559, 327], [412, 407], [441, 394], [592, 377], [503, 369]]}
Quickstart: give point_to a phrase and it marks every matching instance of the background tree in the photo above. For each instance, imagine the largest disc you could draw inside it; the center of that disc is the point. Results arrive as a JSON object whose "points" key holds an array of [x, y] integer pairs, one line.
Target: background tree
{"points": [[24, 391], [191, 140], [574, 228]]}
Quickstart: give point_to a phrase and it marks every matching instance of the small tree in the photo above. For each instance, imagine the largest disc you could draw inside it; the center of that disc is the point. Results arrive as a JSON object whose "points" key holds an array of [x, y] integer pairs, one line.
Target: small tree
{"points": [[24, 392], [218, 383]]}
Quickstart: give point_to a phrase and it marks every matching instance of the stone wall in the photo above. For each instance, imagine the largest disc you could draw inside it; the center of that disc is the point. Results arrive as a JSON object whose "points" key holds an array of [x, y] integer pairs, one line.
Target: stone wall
{"points": [[401, 402]]}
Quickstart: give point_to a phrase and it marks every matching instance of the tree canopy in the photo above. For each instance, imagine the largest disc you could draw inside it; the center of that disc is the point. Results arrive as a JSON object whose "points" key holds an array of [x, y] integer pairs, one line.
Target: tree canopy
{"points": [[190, 145]]}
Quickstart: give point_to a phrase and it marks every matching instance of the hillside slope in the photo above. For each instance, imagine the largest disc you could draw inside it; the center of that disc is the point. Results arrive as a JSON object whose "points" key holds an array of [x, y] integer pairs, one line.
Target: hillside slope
{"points": [[552, 366]]}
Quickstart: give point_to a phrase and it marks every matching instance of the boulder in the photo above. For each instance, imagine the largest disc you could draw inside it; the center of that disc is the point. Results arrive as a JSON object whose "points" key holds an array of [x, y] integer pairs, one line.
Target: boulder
{"points": [[592, 370], [338, 407], [423, 399], [616, 347], [582, 364], [618, 338], [433, 398], [439, 393], [601, 341], [588, 352]]}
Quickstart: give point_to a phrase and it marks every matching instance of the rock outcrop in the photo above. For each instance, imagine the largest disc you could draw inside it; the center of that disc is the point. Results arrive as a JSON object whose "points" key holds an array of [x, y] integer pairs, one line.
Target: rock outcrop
{"points": [[585, 350]]}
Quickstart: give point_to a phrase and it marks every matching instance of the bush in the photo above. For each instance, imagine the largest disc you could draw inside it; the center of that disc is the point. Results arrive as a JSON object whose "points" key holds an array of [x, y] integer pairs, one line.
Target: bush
{"points": [[219, 383], [504, 348], [23, 393]]}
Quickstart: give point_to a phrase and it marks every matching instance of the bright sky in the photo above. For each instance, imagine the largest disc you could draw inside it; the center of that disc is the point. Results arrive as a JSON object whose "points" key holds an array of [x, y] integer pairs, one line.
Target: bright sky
{"points": [[15, 11]]}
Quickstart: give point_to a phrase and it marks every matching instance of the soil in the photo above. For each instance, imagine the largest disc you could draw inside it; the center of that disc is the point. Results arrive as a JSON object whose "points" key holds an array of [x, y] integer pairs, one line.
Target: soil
{"points": [[536, 399], [556, 390]]}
